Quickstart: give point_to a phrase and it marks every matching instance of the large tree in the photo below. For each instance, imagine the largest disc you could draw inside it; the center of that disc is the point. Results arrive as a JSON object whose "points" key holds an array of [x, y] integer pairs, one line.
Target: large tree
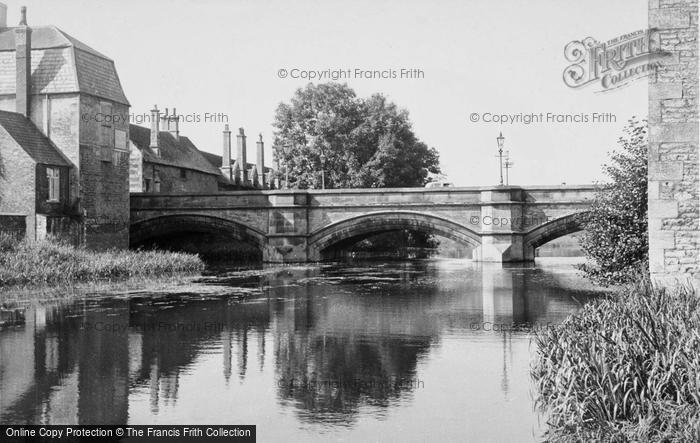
{"points": [[615, 235], [358, 142]]}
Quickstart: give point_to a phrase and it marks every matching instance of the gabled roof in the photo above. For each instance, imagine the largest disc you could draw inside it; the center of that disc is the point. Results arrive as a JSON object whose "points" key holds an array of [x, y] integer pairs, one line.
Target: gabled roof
{"points": [[60, 63], [179, 152], [28, 136]]}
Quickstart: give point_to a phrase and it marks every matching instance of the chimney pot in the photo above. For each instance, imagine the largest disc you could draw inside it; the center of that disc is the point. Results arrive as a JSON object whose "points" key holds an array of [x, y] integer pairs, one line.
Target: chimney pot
{"points": [[226, 157], [155, 129], [241, 156], [23, 19]]}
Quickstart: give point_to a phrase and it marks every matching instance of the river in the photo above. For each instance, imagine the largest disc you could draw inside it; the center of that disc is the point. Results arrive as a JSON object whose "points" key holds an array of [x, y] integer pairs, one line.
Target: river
{"points": [[393, 351]]}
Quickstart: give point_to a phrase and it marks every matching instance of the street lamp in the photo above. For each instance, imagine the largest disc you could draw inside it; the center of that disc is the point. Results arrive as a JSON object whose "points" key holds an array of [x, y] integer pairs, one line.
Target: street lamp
{"points": [[499, 140], [508, 165]]}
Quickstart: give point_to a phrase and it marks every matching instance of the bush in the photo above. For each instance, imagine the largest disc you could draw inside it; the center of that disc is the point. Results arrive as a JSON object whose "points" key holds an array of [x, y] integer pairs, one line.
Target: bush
{"points": [[626, 368], [50, 262], [615, 233]]}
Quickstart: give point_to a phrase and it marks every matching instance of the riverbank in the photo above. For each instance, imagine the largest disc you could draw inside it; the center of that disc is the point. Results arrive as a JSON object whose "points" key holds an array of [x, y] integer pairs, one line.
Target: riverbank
{"points": [[625, 368], [49, 263]]}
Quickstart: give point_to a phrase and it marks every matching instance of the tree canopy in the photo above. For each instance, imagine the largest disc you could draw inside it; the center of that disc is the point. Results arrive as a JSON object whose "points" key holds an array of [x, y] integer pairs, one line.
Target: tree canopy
{"points": [[358, 142], [615, 234]]}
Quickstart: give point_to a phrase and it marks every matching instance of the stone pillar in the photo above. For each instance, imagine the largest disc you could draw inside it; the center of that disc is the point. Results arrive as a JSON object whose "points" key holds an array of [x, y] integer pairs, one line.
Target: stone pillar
{"points": [[241, 160], [287, 229], [674, 237], [260, 162], [226, 154], [500, 241]]}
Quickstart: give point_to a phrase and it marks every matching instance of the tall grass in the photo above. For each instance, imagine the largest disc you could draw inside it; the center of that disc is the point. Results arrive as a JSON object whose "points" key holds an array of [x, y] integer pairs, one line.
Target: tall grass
{"points": [[625, 368], [52, 262]]}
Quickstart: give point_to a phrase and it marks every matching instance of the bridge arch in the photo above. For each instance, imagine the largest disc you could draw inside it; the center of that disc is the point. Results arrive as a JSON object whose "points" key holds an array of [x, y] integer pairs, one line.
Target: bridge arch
{"points": [[552, 230], [383, 221], [155, 227]]}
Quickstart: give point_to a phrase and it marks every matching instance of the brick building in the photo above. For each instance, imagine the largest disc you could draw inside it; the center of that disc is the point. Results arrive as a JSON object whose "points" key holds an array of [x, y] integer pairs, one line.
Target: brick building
{"points": [[64, 170], [164, 161]]}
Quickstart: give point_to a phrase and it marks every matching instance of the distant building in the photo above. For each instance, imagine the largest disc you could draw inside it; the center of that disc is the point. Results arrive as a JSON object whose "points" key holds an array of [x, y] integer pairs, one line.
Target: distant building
{"points": [[63, 166], [171, 163], [164, 161]]}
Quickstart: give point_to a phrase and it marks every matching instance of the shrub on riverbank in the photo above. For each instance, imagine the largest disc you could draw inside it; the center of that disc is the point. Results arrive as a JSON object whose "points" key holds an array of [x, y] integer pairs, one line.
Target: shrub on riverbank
{"points": [[626, 368], [50, 262]]}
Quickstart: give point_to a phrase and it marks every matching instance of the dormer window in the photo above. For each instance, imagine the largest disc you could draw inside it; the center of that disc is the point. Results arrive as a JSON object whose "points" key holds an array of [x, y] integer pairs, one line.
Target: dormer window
{"points": [[53, 176]]}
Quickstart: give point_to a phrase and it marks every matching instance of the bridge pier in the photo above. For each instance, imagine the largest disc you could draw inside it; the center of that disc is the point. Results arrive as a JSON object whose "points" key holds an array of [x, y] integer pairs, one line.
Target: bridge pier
{"points": [[287, 249], [503, 248]]}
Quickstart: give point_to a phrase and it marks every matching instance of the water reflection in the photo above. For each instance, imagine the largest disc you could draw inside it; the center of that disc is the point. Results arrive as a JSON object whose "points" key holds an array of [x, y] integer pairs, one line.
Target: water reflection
{"points": [[335, 345]]}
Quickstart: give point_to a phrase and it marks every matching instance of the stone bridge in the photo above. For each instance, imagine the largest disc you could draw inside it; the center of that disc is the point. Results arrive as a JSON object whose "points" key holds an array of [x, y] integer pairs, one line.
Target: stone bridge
{"points": [[501, 224]]}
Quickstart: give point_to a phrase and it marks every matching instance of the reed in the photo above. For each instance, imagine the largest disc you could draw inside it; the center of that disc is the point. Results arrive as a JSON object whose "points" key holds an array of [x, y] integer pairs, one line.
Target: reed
{"points": [[625, 368], [53, 262]]}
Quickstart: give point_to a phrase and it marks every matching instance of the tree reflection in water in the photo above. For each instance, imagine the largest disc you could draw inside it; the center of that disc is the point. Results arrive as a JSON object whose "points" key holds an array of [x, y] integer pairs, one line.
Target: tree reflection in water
{"points": [[343, 338]]}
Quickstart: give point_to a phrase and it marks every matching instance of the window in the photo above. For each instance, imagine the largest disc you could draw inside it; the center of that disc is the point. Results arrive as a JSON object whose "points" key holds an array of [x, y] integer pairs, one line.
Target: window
{"points": [[53, 176], [183, 173], [147, 184]]}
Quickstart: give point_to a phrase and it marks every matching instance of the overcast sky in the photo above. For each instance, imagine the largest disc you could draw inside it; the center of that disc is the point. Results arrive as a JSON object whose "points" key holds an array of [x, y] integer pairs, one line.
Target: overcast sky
{"points": [[477, 57]]}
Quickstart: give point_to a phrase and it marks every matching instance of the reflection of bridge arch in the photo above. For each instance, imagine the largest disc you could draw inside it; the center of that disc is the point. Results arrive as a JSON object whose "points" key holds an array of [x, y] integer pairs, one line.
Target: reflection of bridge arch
{"points": [[552, 230], [383, 221], [165, 225]]}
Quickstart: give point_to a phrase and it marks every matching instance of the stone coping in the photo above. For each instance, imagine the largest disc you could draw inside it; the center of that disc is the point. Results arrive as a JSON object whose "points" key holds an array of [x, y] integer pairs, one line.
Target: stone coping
{"points": [[589, 187]]}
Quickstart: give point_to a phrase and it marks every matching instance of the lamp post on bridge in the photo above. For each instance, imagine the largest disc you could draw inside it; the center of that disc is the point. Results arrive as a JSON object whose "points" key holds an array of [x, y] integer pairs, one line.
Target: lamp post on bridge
{"points": [[499, 140], [508, 165], [323, 168]]}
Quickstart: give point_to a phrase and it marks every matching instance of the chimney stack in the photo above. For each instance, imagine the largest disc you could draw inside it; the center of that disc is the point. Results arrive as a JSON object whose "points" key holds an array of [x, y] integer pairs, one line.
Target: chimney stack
{"points": [[155, 129], [260, 163], [23, 60], [175, 128], [171, 123], [241, 156], [226, 157], [3, 15]]}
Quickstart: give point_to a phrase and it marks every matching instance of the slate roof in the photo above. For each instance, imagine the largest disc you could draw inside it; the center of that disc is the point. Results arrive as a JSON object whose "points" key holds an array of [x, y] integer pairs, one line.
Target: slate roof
{"points": [[60, 63], [30, 138], [180, 152]]}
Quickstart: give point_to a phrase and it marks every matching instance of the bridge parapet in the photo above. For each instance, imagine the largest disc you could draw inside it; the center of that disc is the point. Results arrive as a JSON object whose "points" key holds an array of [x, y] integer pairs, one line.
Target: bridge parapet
{"points": [[291, 221]]}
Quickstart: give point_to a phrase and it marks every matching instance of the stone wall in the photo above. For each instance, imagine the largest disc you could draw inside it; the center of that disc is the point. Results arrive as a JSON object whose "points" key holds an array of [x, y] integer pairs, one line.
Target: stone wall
{"points": [[136, 179], [174, 181], [17, 186], [674, 238], [15, 225], [104, 174]]}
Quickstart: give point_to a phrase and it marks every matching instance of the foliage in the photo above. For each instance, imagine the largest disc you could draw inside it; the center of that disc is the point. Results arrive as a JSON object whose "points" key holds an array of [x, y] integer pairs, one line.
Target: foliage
{"points": [[51, 262], [626, 368], [364, 143], [615, 234]]}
